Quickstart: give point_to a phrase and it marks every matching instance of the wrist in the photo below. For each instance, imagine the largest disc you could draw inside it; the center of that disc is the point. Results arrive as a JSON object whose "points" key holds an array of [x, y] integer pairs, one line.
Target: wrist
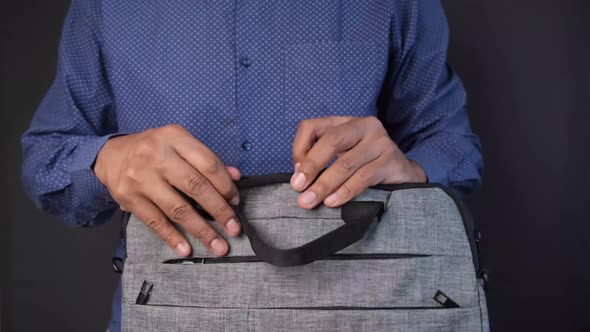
{"points": [[104, 158]]}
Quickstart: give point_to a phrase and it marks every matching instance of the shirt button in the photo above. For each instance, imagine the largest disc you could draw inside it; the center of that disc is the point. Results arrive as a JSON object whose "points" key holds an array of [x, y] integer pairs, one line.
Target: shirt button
{"points": [[246, 146], [245, 61]]}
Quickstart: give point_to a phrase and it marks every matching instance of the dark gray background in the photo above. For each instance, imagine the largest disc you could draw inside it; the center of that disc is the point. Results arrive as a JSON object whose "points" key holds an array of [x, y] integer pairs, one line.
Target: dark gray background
{"points": [[525, 66]]}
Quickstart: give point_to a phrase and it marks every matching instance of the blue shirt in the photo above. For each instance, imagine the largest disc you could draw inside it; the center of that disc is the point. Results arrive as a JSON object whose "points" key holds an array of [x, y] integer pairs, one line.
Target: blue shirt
{"points": [[240, 75]]}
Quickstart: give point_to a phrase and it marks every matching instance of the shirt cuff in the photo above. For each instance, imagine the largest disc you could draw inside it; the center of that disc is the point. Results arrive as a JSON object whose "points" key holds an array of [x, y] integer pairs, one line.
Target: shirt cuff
{"points": [[435, 171], [88, 193]]}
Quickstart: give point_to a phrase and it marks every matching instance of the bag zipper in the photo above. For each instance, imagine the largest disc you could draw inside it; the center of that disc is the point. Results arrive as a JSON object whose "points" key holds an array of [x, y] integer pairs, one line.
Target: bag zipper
{"points": [[254, 259], [440, 297]]}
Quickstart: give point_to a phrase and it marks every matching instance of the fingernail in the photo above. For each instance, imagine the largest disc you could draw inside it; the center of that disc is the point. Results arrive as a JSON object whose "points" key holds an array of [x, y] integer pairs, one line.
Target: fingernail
{"points": [[235, 200], [297, 165], [330, 200], [308, 197], [232, 226], [218, 247], [298, 181], [183, 249]]}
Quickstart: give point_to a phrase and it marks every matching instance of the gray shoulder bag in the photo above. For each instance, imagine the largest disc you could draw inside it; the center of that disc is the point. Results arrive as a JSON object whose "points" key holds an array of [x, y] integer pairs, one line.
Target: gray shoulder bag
{"points": [[396, 258]]}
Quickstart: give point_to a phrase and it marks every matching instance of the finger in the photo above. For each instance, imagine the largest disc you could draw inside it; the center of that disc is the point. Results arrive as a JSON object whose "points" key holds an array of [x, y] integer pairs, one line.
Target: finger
{"points": [[153, 217], [207, 163], [366, 176], [181, 212], [307, 134], [182, 176], [335, 140], [333, 177], [310, 130], [234, 173]]}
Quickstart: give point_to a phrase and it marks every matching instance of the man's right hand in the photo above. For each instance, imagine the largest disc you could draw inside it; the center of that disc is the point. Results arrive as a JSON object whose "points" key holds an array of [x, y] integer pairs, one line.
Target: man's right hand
{"points": [[142, 171]]}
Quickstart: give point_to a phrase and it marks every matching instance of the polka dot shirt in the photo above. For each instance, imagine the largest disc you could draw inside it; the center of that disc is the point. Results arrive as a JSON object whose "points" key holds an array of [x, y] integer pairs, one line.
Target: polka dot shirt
{"points": [[240, 76]]}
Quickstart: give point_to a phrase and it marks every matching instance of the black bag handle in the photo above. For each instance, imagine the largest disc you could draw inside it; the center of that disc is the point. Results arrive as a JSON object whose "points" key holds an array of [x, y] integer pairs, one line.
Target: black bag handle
{"points": [[358, 217]]}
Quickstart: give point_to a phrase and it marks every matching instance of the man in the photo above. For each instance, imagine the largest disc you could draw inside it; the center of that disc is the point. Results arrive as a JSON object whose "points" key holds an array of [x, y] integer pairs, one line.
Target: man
{"points": [[152, 98]]}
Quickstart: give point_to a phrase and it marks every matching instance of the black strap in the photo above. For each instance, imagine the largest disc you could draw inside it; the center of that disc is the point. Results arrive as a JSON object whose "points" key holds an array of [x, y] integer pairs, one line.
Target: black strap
{"points": [[358, 217], [261, 180]]}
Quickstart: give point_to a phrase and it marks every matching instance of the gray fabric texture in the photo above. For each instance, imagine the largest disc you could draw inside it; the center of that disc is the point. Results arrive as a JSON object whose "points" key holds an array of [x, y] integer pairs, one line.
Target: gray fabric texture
{"points": [[154, 318], [391, 294]]}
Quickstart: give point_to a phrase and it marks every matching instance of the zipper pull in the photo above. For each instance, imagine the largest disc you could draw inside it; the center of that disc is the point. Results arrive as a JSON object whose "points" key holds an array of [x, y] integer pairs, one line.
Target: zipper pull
{"points": [[144, 293], [442, 299]]}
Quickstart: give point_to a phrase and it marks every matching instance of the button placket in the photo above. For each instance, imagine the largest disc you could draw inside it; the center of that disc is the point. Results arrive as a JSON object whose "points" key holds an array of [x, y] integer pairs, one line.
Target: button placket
{"points": [[246, 14]]}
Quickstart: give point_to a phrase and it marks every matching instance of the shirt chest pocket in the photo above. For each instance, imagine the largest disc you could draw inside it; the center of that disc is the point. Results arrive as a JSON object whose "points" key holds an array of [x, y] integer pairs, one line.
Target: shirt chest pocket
{"points": [[333, 78]]}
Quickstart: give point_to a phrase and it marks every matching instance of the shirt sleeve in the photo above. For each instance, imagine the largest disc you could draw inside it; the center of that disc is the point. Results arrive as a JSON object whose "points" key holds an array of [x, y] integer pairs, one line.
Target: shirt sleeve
{"points": [[70, 126], [425, 102]]}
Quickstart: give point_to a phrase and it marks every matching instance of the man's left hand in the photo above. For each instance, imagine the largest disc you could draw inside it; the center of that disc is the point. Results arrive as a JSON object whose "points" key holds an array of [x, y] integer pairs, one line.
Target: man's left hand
{"points": [[366, 156]]}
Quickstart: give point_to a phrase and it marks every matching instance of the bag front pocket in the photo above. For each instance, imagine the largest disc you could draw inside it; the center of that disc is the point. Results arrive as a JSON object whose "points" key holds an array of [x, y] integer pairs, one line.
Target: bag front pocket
{"points": [[350, 293], [352, 283]]}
